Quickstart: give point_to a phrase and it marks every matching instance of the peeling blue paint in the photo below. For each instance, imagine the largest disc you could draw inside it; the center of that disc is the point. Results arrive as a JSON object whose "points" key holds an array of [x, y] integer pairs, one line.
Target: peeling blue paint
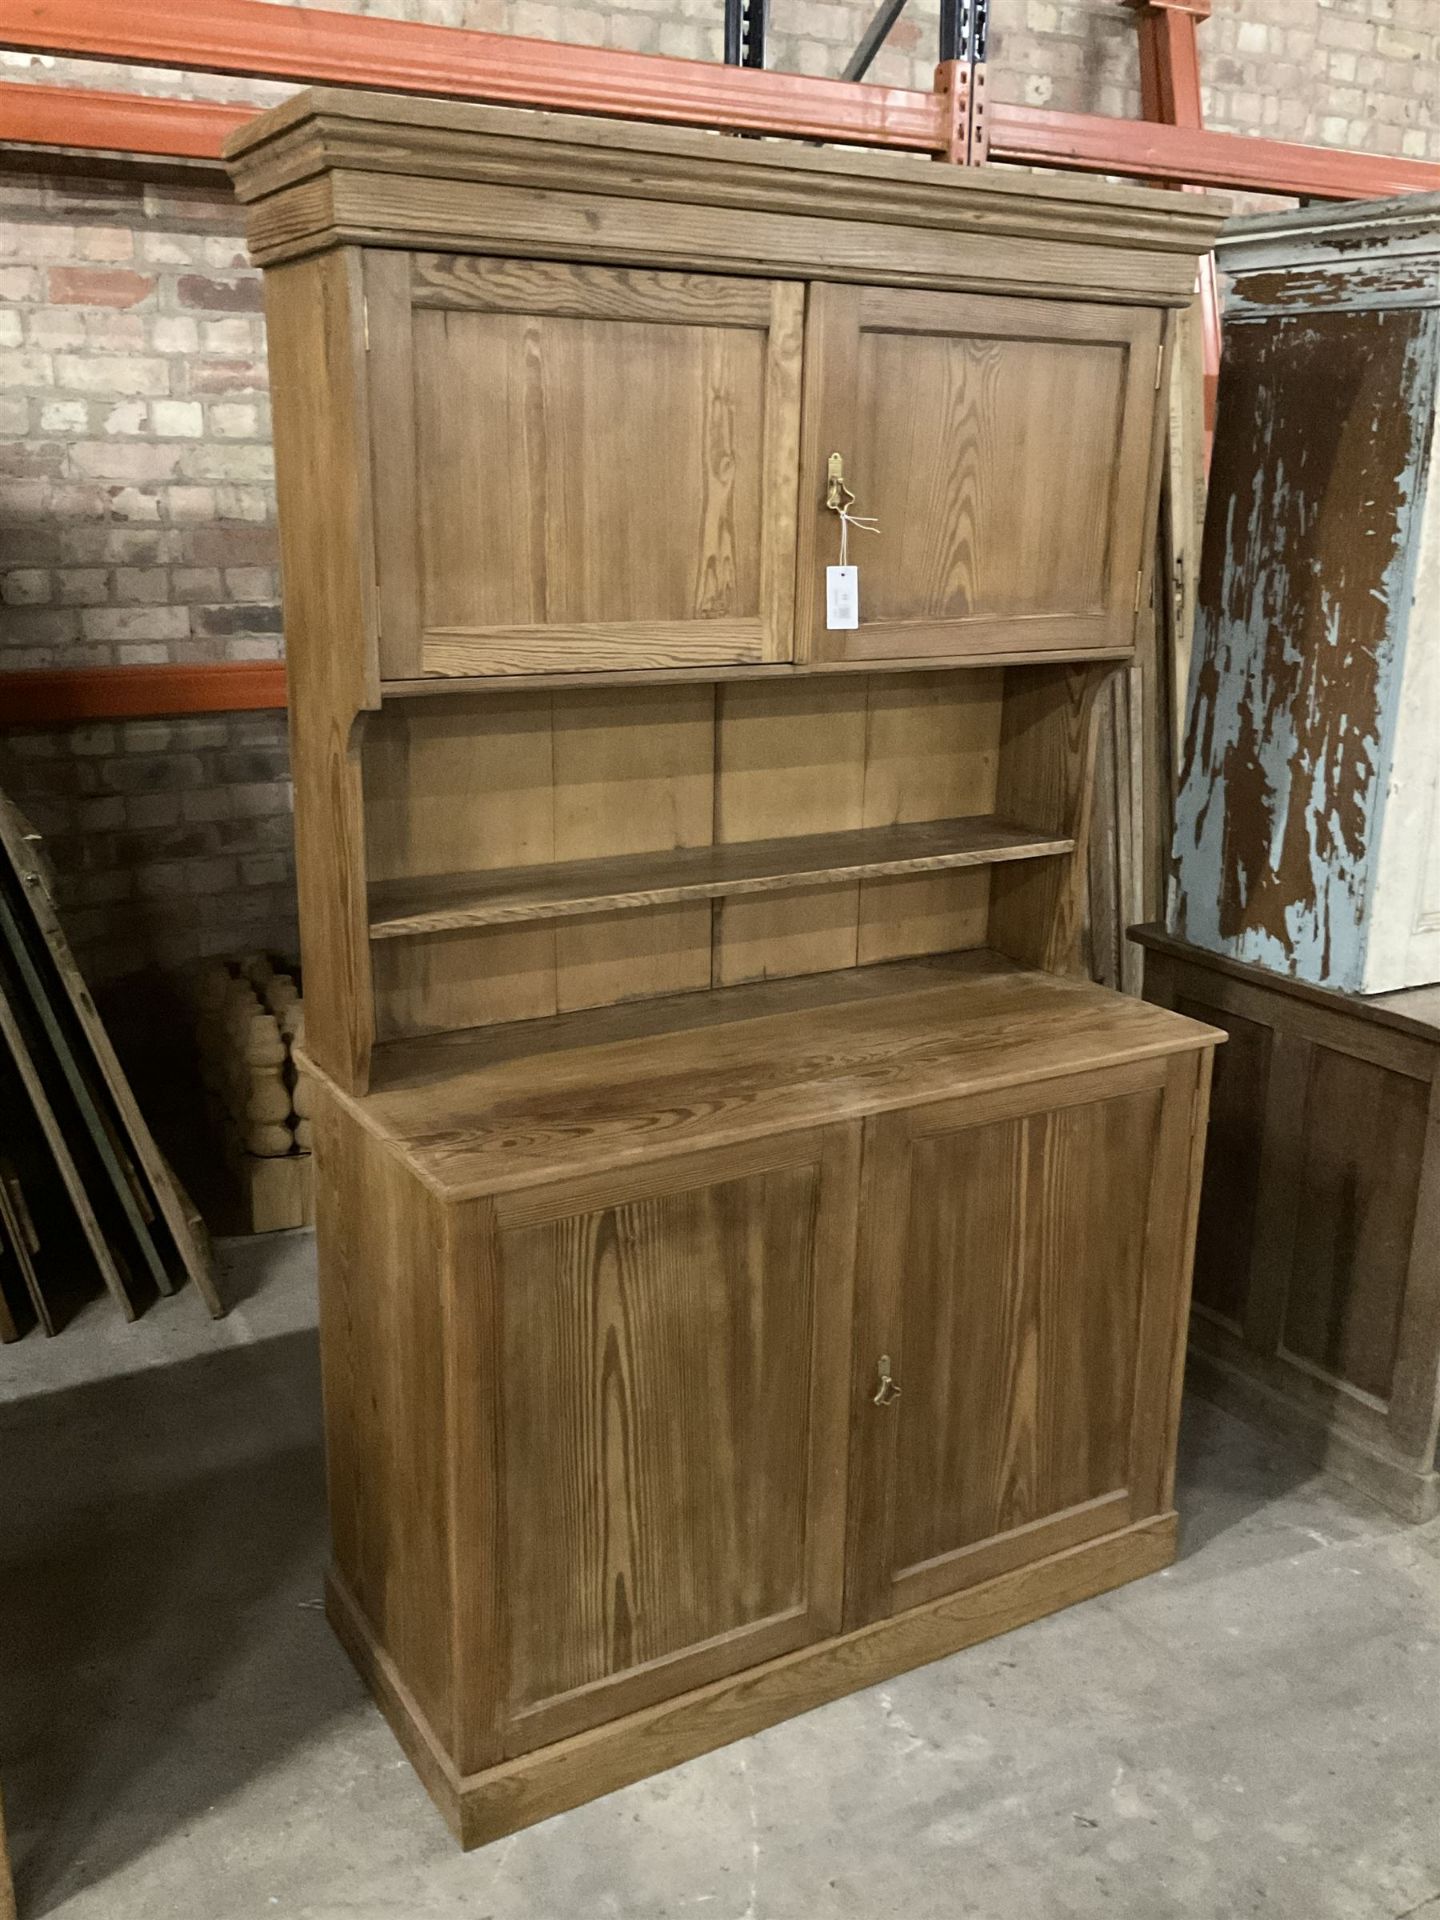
{"points": [[1298, 659]]}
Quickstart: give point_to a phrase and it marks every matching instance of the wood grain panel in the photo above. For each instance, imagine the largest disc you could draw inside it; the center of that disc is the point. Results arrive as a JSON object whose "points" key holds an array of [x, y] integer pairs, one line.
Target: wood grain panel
{"points": [[473, 978], [874, 753], [632, 777], [488, 1112], [1004, 548], [606, 958], [599, 646], [604, 470], [1022, 1280], [489, 783], [588, 293], [606, 465], [564, 889], [463, 786], [1007, 1247], [382, 1251], [314, 327], [932, 749], [789, 760], [659, 1380], [1047, 761], [394, 474]]}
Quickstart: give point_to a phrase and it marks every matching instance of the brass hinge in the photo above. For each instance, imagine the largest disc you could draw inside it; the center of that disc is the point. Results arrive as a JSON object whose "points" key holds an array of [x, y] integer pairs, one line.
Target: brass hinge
{"points": [[1159, 364], [365, 319], [1139, 583]]}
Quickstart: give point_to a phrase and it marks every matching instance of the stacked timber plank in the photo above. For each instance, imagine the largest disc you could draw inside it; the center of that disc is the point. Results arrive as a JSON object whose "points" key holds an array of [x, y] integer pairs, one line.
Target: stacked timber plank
{"points": [[85, 1195]]}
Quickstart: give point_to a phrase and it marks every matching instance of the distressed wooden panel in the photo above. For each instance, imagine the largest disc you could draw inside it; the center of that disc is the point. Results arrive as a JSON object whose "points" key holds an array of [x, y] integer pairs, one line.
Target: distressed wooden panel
{"points": [[1359, 1172], [1230, 1193], [1314, 652], [1318, 1255]]}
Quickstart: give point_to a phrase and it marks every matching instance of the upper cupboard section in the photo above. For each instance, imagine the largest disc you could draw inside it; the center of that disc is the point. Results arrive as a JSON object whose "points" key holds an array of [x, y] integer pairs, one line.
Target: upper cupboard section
{"points": [[583, 468]]}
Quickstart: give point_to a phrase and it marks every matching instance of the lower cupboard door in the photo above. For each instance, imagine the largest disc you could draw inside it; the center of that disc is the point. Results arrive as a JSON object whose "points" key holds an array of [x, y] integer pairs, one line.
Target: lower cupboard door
{"points": [[671, 1403], [1013, 1265]]}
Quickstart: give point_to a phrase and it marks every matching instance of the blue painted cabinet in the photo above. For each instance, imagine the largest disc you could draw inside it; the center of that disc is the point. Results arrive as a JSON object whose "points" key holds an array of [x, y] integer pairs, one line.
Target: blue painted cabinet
{"points": [[1308, 822]]}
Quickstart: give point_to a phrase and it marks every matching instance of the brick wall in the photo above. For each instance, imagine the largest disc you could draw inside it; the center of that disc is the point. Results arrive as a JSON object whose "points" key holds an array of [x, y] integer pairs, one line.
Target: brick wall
{"points": [[137, 526], [136, 510]]}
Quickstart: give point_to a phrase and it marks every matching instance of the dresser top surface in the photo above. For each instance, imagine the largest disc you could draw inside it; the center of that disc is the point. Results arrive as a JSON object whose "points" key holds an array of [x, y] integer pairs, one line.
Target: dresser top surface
{"points": [[393, 129], [501, 1108], [334, 166]]}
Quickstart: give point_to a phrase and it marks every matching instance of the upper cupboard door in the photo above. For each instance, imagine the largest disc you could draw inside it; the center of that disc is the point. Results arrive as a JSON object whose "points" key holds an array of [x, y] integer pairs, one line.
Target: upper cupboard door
{"points": [[1004, 448], [579, 468]]}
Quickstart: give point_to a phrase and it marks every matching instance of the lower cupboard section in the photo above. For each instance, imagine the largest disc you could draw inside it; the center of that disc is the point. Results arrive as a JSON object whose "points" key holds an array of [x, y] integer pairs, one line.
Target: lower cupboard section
{"points": [[481, 1807], [628, 1463]]}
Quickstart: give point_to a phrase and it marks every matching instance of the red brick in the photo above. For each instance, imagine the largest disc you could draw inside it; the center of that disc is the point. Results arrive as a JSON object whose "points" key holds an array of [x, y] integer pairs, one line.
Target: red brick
{"points": [[99, 286], [220, 296], [234, 546], [227, 376]]}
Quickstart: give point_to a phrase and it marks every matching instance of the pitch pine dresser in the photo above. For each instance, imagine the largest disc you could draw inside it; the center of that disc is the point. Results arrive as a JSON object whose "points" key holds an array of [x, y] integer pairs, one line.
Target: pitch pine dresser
{"points": [[753, 1262]]}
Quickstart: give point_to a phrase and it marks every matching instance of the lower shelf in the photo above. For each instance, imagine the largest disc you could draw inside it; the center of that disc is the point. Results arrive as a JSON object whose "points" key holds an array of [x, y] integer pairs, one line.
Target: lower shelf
{"points": [[517, 1793]]}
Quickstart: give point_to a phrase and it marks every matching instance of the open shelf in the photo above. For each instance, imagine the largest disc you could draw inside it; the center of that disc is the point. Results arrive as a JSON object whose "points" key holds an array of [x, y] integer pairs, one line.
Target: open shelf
{"points": [[563, 889]]}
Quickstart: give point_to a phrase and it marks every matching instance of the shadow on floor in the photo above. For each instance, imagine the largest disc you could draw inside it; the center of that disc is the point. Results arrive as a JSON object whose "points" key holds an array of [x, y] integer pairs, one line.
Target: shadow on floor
{"points": [[1227, 1473], [162, 1539]]}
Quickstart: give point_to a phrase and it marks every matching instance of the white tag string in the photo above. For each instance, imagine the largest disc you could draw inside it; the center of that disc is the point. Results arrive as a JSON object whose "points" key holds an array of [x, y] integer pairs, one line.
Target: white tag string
{"points": [[848, 520]]}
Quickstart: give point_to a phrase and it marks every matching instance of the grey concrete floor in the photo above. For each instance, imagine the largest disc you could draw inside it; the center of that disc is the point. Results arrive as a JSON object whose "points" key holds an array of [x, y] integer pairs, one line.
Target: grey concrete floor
{"points": [[1254, 1732]]}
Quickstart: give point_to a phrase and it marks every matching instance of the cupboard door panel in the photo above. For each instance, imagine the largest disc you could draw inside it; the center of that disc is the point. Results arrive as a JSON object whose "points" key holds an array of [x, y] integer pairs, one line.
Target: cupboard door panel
{"points": [[1004, 1266], [597, 468], [675, 1351], [1003, 447]]}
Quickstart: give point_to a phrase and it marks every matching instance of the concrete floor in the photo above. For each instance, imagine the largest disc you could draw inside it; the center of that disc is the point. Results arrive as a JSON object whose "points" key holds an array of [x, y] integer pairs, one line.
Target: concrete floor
{"points": [[1255, 1732]]}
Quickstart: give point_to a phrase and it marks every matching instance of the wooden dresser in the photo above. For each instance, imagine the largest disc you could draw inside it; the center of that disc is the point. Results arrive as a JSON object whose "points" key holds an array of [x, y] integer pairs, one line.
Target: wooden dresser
{"points": [[752, 1262]]}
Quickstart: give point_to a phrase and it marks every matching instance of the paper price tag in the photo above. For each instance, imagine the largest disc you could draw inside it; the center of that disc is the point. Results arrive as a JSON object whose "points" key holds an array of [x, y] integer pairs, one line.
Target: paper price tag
{"points": [[842, 598]]}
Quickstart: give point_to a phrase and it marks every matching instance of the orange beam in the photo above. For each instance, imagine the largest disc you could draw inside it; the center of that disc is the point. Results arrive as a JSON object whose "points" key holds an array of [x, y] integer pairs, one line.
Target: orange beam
{"points": [[69, 696], [1094, 143], [314, 46], [1170, 60], [1170, 93], [36, 115], [82, 117]]}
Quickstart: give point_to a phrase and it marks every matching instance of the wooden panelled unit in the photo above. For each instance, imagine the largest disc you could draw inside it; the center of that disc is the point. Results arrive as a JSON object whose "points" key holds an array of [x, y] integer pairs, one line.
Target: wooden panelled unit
{"points": [[1317, 1263], [752, 1262]]}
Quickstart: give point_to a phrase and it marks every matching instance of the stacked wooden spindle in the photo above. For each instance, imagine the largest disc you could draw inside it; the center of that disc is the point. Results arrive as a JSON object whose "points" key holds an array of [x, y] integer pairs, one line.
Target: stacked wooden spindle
{"points": [[249, 1016]]}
